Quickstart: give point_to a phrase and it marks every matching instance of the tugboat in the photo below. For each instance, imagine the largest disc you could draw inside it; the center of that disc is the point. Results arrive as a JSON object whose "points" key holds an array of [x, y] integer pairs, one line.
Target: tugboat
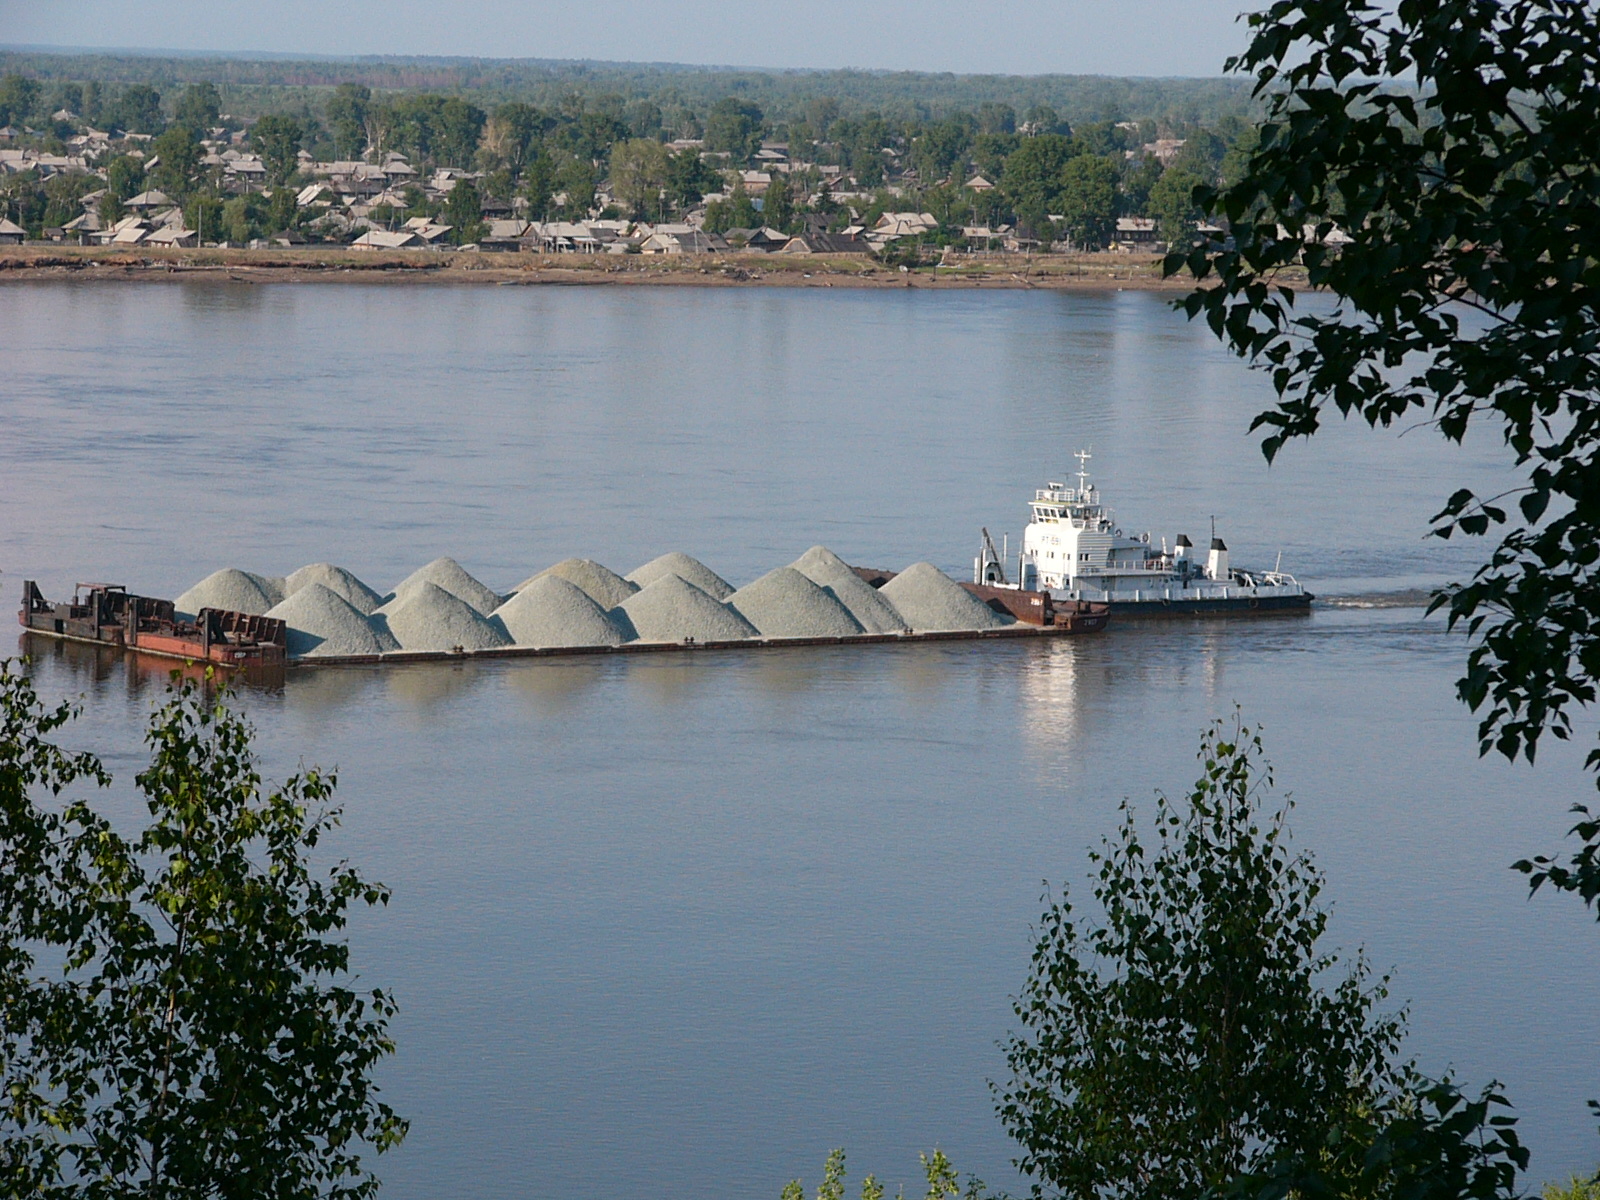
{"points": [[1073, 550]]}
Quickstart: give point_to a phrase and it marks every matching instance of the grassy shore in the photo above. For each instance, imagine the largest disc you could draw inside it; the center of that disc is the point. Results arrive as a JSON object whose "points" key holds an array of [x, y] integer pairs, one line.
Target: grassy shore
{"points": [[341, 265]]}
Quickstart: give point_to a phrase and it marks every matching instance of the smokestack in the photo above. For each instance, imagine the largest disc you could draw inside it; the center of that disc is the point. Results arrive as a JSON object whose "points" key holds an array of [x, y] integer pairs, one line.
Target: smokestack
{"points": [[1183, 547], [1217, 562]]}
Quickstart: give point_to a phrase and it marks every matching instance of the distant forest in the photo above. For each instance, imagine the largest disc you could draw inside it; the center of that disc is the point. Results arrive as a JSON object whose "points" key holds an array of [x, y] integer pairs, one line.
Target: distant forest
{"points": [[254, 86]]}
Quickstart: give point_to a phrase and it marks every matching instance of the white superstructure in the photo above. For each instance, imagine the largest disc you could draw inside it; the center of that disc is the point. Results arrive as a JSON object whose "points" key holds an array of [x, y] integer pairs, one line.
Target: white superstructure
{"points": [[1073, 549]]}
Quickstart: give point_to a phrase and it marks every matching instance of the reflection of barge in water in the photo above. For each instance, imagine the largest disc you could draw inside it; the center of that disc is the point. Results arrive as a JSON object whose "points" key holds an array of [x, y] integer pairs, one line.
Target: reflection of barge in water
{"points": [[109, 615]]}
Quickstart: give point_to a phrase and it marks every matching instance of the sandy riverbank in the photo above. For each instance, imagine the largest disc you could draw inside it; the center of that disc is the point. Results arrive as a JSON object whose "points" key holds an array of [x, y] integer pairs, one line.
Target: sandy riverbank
{"points": [[339, 265]]}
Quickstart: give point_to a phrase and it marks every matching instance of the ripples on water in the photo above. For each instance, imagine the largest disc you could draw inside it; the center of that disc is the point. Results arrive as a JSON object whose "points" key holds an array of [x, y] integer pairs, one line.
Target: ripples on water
{"points": [[675, 926]]}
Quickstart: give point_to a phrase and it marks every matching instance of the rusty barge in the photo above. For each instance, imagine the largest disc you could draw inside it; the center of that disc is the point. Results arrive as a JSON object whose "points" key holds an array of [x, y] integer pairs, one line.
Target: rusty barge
{"points": [[110, 616]]}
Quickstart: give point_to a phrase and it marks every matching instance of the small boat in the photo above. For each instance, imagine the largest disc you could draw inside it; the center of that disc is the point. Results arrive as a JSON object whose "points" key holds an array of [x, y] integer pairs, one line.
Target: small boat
{"points": [[1073, 550]]}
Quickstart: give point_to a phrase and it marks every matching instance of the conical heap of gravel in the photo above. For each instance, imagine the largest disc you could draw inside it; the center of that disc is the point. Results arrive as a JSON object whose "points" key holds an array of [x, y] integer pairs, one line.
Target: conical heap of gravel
{"points": [[930, 600], [428, 618], [448, 574], [865, 602], [323, 624], [338, 581], [690, 570], [672, 610], [603, 585], [785, 604], [551, 611], [231, 590]]}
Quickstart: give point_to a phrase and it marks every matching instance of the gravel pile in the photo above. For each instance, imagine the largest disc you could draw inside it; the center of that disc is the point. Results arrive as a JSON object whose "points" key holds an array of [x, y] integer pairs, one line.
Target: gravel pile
{"points": [[552, 611], [930, 600], [672, 610], [448, 574], [865, 602], [232, 590], [338, 581], [603, 585], [428, 618], [690, 570], [324, 624], [785, 604]]}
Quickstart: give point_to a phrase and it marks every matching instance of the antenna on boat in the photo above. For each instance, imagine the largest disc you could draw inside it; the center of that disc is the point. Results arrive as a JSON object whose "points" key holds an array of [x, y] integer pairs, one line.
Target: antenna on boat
{"points": [[1083, 457]]}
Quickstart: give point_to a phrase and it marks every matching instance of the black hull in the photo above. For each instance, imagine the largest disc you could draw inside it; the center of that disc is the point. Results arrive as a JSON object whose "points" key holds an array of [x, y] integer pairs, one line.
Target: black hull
{"points": [[1233, 606]]}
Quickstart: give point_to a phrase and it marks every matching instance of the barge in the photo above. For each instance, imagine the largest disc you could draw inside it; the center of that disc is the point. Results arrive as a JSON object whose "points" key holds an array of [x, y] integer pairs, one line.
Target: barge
{"points": [[108, 615], [1073, 551]]}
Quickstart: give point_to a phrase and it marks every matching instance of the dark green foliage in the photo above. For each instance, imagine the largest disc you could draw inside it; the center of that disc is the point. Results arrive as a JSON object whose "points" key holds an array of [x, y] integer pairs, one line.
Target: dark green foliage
{"points": [[346, 116], [199, 106], [463, 212], [1428, 1142], [1468, 296], [1088, 199], [18, 97], [539, 184], [777, 208], [180, 152], [1198, 1024], [1033, 177], [125, 177], [277, 140], [734, 126], [689, 177], [1172, 204], [177, 1022], [203, 214], [137, 110]]}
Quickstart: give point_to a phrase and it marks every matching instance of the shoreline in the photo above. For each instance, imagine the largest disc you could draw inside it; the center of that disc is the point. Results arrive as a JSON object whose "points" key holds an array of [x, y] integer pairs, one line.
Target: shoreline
{"points": [[1102, 271]]}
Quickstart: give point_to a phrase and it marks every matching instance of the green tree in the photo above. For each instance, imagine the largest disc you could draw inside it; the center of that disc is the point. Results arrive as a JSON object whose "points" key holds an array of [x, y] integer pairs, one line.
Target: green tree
{"points": [[18, 96], [242, 219], [1088, 199], [777, 207], [457, 130], [638, 174], [203, 214], [733, 126], [178, 1021], [346, 117], [199, 106], [689, 177], [1467, 206], [1173, 206], [124, 177], [1172, 1042], [138, 109], [179, 152], [277, 139], [539, 185], [463, 211], [1033, 175], [578, 179]]}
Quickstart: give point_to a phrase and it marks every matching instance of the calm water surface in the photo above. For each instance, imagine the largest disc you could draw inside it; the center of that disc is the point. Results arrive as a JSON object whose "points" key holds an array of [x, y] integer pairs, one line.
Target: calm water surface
{"points": [[674, 927]]}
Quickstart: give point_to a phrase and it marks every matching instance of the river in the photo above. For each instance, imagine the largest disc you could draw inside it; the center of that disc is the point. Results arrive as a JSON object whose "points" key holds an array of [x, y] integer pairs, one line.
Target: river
{"points": [[675, 926]]}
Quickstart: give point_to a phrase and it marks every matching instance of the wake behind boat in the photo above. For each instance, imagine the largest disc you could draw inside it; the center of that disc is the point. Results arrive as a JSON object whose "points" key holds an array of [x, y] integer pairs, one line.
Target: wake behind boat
{"points": [[1073, 550]]}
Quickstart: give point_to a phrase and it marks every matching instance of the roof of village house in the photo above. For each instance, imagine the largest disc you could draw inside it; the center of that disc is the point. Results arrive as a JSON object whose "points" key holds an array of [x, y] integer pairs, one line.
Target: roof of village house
{"points": [[10, 227], [382, 239], [825, 243], [979, 184]]}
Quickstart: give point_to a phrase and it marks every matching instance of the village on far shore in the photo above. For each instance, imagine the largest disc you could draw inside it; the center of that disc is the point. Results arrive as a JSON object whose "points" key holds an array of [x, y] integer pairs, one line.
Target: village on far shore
{"points": [[425, 172], [359, 203]]}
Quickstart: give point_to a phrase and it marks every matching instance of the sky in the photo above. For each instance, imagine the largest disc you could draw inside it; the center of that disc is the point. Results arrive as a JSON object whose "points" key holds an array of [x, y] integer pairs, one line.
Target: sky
{"points": [[1090, 37]]}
